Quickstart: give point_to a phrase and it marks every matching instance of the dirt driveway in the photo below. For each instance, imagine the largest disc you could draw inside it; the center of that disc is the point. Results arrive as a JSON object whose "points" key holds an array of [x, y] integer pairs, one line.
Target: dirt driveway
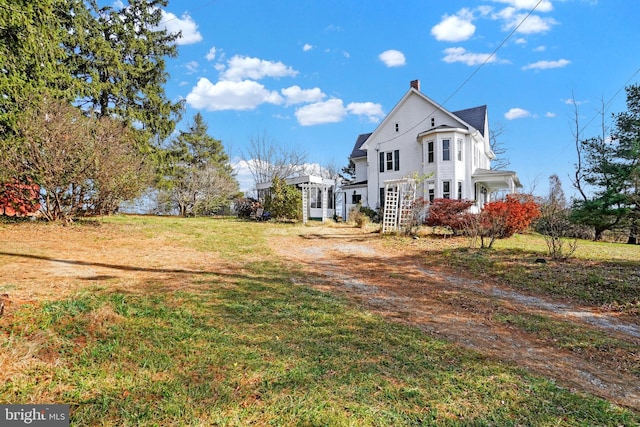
{"points": [[395, 283]]}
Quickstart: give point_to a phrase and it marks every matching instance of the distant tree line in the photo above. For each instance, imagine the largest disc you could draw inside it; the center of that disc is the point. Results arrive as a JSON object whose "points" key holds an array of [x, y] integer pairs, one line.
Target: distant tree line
{"points": [[85, 118]]}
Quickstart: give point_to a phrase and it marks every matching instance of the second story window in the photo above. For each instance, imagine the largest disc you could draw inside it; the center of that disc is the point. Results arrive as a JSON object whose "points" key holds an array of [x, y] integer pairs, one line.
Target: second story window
{"points": [[446, 150], [459, 147], [396, 126], [389, 161], [430, 152]]}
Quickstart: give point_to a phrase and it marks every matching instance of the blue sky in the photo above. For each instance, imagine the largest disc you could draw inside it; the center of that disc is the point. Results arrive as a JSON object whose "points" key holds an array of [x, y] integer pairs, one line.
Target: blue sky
{"points": [[315, 74]]}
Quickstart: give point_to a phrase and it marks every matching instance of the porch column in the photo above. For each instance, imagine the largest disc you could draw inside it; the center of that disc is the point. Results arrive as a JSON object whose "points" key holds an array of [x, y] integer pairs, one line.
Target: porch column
{"points": [[324, 203], [305, 203]]}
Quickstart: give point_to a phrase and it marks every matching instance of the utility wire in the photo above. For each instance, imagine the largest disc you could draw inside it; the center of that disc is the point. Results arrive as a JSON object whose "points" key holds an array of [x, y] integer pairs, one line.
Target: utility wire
{"points": [[604, 108]]}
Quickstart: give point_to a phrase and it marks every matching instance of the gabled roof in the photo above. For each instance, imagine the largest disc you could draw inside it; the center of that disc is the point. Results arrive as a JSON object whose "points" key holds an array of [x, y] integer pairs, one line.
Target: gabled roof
{"points": [[474, 116], [357, 152]]}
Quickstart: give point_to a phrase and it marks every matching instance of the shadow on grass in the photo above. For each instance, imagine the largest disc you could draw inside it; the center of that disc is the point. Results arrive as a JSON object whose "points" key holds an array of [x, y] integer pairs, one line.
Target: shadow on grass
{"points": [[112, 266]]}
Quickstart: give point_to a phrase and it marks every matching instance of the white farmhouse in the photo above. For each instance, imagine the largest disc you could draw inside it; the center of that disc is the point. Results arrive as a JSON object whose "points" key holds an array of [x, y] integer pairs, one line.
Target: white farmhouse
{"points": [[449, 153]]}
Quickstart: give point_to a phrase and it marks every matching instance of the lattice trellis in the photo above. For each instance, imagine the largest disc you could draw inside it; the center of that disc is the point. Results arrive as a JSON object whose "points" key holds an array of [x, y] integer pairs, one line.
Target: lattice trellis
{"points": [[399, 195]]}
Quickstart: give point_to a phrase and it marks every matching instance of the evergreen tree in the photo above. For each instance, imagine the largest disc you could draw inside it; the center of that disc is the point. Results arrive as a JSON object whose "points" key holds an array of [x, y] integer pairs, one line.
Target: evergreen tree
{"points": [[197, 148], [283, 201], [627, 136], [199, 178], [31, 34], [612, 169], [119, 56], [348, 173]]}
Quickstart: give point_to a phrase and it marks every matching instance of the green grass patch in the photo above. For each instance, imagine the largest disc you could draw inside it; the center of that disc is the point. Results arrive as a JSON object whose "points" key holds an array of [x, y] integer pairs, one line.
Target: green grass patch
{"points": [[601, 274], [574, 338], [254, 349]]}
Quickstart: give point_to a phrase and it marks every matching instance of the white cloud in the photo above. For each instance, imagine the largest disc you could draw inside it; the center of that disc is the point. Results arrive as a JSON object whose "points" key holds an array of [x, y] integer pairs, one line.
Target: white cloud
{"points": [[211, 55], [545, 65], [533, 24], [572, 101], [516, 113], [549, 114], [192, 66], [454, 28], [372, 111], [521, 41], [540, 49], [243, 175], [230, 95], [118, 4], [459, 54], [189, 28], [544, 6], [241, 67], [330, 111], [307, 47], [297, 95], [392, 58]]}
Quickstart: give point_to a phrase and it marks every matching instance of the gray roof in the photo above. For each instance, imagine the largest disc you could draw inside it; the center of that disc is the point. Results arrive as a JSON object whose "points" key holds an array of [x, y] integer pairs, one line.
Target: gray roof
{"points": [[474, 116], [357, 152]]}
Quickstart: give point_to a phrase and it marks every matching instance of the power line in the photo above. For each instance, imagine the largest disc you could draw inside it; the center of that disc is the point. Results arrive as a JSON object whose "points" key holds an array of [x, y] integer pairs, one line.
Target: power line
{"points": [[604, 107], [487, 59], [624, 85]]}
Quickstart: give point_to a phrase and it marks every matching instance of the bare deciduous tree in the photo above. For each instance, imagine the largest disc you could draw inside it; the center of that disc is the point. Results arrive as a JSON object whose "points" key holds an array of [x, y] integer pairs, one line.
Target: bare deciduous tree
{"points": [[202, 191], [267, 159], [578, 179], [554, 222], [500, 162]]}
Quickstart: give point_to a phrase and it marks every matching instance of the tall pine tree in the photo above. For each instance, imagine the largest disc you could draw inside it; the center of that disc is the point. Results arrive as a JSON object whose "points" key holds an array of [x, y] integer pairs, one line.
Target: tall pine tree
{"points": [[612, 169], [119, 56], [200, 178], [31, 56], [627, 136]]}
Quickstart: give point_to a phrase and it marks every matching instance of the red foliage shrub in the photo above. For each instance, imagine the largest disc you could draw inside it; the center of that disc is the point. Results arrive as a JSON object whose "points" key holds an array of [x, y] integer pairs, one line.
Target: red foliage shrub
{"points": [[449, 213], [19, 198], [504, 218]]}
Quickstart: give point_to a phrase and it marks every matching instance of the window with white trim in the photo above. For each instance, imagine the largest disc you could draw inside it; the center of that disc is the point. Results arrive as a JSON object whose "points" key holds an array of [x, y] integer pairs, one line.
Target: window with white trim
{"points": [[459, 147], [430, 152], [315, 196], [389, 160], [446, 150]]}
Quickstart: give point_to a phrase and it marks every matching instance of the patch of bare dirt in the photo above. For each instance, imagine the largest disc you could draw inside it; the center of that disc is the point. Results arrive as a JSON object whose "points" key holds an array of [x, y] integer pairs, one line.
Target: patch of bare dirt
{"points": [[461, 309]]}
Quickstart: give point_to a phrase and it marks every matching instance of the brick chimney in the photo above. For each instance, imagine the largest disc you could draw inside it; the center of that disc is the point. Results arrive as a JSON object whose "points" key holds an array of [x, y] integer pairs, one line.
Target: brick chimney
{"points": [[415, 84]]}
